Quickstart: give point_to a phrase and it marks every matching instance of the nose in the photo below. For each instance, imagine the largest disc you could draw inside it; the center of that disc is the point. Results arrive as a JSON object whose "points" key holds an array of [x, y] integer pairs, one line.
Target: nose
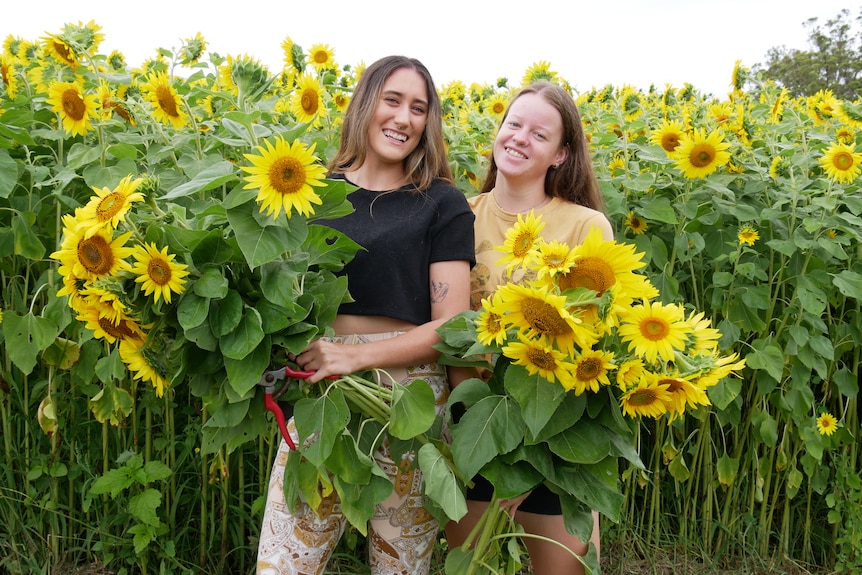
{"points": [[518, 138], [402, 117]]}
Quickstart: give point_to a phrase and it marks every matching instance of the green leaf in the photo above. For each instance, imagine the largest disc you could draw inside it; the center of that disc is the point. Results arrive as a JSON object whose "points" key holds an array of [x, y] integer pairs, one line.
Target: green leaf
{"points": [[537, 396], [441, 484], [112, 404], [348, 462], [727, 467], [413, 409], [243, 374], [490, 427], [207, 179], [143, 506], [212, 284], [329, 248], [849, 284], [143, 535], [225, 313], [678, 469], [358, 502], [659, 209], [245, 338], [8, 174], [27, 243], [156, 470], [192, 310], [584, 442], [262, 243], [847, 383], [767, 356], [585, 482], [26, 336], [568, 412], [325, 416], [114, 481]]}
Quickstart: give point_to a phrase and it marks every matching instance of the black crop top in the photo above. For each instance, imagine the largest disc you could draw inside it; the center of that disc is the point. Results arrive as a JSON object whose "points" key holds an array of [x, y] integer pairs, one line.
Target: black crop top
{"points": [[402, 233]]}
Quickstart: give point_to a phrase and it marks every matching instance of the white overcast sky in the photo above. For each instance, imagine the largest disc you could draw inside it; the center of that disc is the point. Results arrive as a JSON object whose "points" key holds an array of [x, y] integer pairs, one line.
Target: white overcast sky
{"points": [[590, 44]]}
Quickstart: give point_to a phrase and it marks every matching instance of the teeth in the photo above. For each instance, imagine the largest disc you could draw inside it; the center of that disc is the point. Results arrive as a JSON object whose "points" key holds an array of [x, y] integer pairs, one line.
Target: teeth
{"points": [[515, 153], [395, 135]]}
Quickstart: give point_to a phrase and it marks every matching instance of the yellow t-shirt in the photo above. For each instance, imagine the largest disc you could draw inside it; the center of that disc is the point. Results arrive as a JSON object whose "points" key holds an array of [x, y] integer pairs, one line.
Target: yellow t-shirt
{"points": [[564, 222]]}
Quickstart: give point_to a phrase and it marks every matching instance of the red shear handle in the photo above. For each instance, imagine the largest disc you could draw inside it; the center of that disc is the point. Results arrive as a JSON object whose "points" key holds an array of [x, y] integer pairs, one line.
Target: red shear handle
{"points": [[272, 406], [300, 374]]}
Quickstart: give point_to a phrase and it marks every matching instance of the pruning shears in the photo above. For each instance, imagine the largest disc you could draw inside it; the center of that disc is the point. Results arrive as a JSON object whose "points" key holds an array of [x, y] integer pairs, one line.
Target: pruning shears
{"points": [[269, 382]]}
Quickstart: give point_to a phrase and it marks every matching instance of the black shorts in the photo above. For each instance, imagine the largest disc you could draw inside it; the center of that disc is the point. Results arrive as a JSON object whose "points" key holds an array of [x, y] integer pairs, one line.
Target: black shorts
{"points": [[541, 500]]}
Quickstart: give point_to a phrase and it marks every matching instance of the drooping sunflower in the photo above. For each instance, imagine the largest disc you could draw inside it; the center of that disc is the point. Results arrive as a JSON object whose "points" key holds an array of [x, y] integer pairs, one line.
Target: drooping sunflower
{"points": [[668, 136], [60, 51], [490, 329], [722, 367], [106, 296], [655, 330], [111, 103], [306, 102], [521, 238], [540, 358], [681, 391], [109, 207], [703, 339], [167, 105], [158, 273], [111, 330], [826, 423], [747, 235], [285, 174], [646, 399], [143, 364], [75, 108], [536, 312], [592, 369], [96, 256], [322, 57], [635, 223], [841, 162], [699, 154]]}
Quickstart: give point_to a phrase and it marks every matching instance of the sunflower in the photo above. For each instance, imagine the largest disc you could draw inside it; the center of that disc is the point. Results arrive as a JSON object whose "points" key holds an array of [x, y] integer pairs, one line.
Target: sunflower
{"points": [[629, 373], [841, 162], [668, 136], [72, 287], [703, 339], [192, 50], [655, 330], [322, 57], [109, 207], [600, 264], [60, 51], [104, 295], [631, 104], [747, 235], [489, 323], [111, 330], [779, 167], [341, 100], [294, 57], [538, 313], [591, 370], [636, 223], [143, 364], [537, 71], [116, 61], [158, 273], [75, 109], [496, 105], [552, 258], [306, 102], [682, 392], [618, 162], [284, 173], [8, 78], [96, 256], [721, 368], [167, 105], [698, 154], [826, 423], [541, 359], [647, 399], [521, 238]]}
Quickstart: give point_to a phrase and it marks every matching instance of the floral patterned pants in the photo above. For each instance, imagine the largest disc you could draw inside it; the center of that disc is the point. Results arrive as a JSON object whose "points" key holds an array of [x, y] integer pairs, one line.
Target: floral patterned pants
{"points": [[401, 534]]}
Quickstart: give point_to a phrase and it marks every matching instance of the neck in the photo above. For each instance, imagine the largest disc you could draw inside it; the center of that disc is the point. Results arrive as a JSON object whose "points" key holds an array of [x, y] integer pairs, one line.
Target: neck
{"points": [[379, 177], [519, 199]]}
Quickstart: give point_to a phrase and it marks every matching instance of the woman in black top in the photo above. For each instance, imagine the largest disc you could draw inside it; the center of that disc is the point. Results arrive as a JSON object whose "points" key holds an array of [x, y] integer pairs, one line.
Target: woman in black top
{"points": [[414, 273]]}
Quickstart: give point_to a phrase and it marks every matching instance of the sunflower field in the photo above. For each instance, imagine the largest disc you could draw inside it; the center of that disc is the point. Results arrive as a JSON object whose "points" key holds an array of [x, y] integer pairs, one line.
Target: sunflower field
{"points": [[158, 242]]}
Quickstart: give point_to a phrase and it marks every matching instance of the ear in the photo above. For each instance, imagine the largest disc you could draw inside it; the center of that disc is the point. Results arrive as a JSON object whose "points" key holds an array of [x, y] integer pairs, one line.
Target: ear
{"points": [[561, 156]]}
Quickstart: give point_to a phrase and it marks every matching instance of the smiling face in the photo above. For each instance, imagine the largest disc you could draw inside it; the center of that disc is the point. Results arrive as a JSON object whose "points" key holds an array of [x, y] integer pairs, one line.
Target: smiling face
{"points": [[399, 119], [529, 141]]}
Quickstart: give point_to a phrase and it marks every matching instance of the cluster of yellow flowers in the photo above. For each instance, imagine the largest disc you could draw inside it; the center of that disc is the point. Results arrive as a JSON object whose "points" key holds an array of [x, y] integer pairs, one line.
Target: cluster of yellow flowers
{"points": [[94, 257], [584, 318]]}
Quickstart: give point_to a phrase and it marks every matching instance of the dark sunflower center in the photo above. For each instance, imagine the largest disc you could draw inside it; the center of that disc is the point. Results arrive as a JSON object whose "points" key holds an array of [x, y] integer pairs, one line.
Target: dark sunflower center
{"points": [[642, 397], [673, 385], [287, 175], [591, 273], [843, 161], [589, 369], [544, 318], [167, 102], [159, 271], [321, 57], [110, 206], [542, 359], [73, 105], [522, 245], [669, 142], [654, 329], [119, 331], [702, 155], [309, 102], [95, 255]]}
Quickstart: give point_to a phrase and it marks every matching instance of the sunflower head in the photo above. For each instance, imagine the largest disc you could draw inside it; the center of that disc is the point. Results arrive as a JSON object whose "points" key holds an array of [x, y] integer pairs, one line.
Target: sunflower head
{"points": [[826, 423], [841, 162]]}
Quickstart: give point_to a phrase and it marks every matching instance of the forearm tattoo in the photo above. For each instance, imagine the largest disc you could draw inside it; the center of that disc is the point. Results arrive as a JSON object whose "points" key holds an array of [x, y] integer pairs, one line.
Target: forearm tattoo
{"points": [[439, 291]]}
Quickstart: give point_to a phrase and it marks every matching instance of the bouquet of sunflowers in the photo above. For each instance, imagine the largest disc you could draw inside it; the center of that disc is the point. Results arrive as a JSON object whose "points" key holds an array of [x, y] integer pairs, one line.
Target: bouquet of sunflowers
{"points": [[574, 354]]}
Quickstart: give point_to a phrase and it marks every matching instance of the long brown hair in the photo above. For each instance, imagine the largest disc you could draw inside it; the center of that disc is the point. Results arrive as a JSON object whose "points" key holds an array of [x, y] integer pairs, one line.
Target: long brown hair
{"points": [[574, 179], [424, 164]]}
